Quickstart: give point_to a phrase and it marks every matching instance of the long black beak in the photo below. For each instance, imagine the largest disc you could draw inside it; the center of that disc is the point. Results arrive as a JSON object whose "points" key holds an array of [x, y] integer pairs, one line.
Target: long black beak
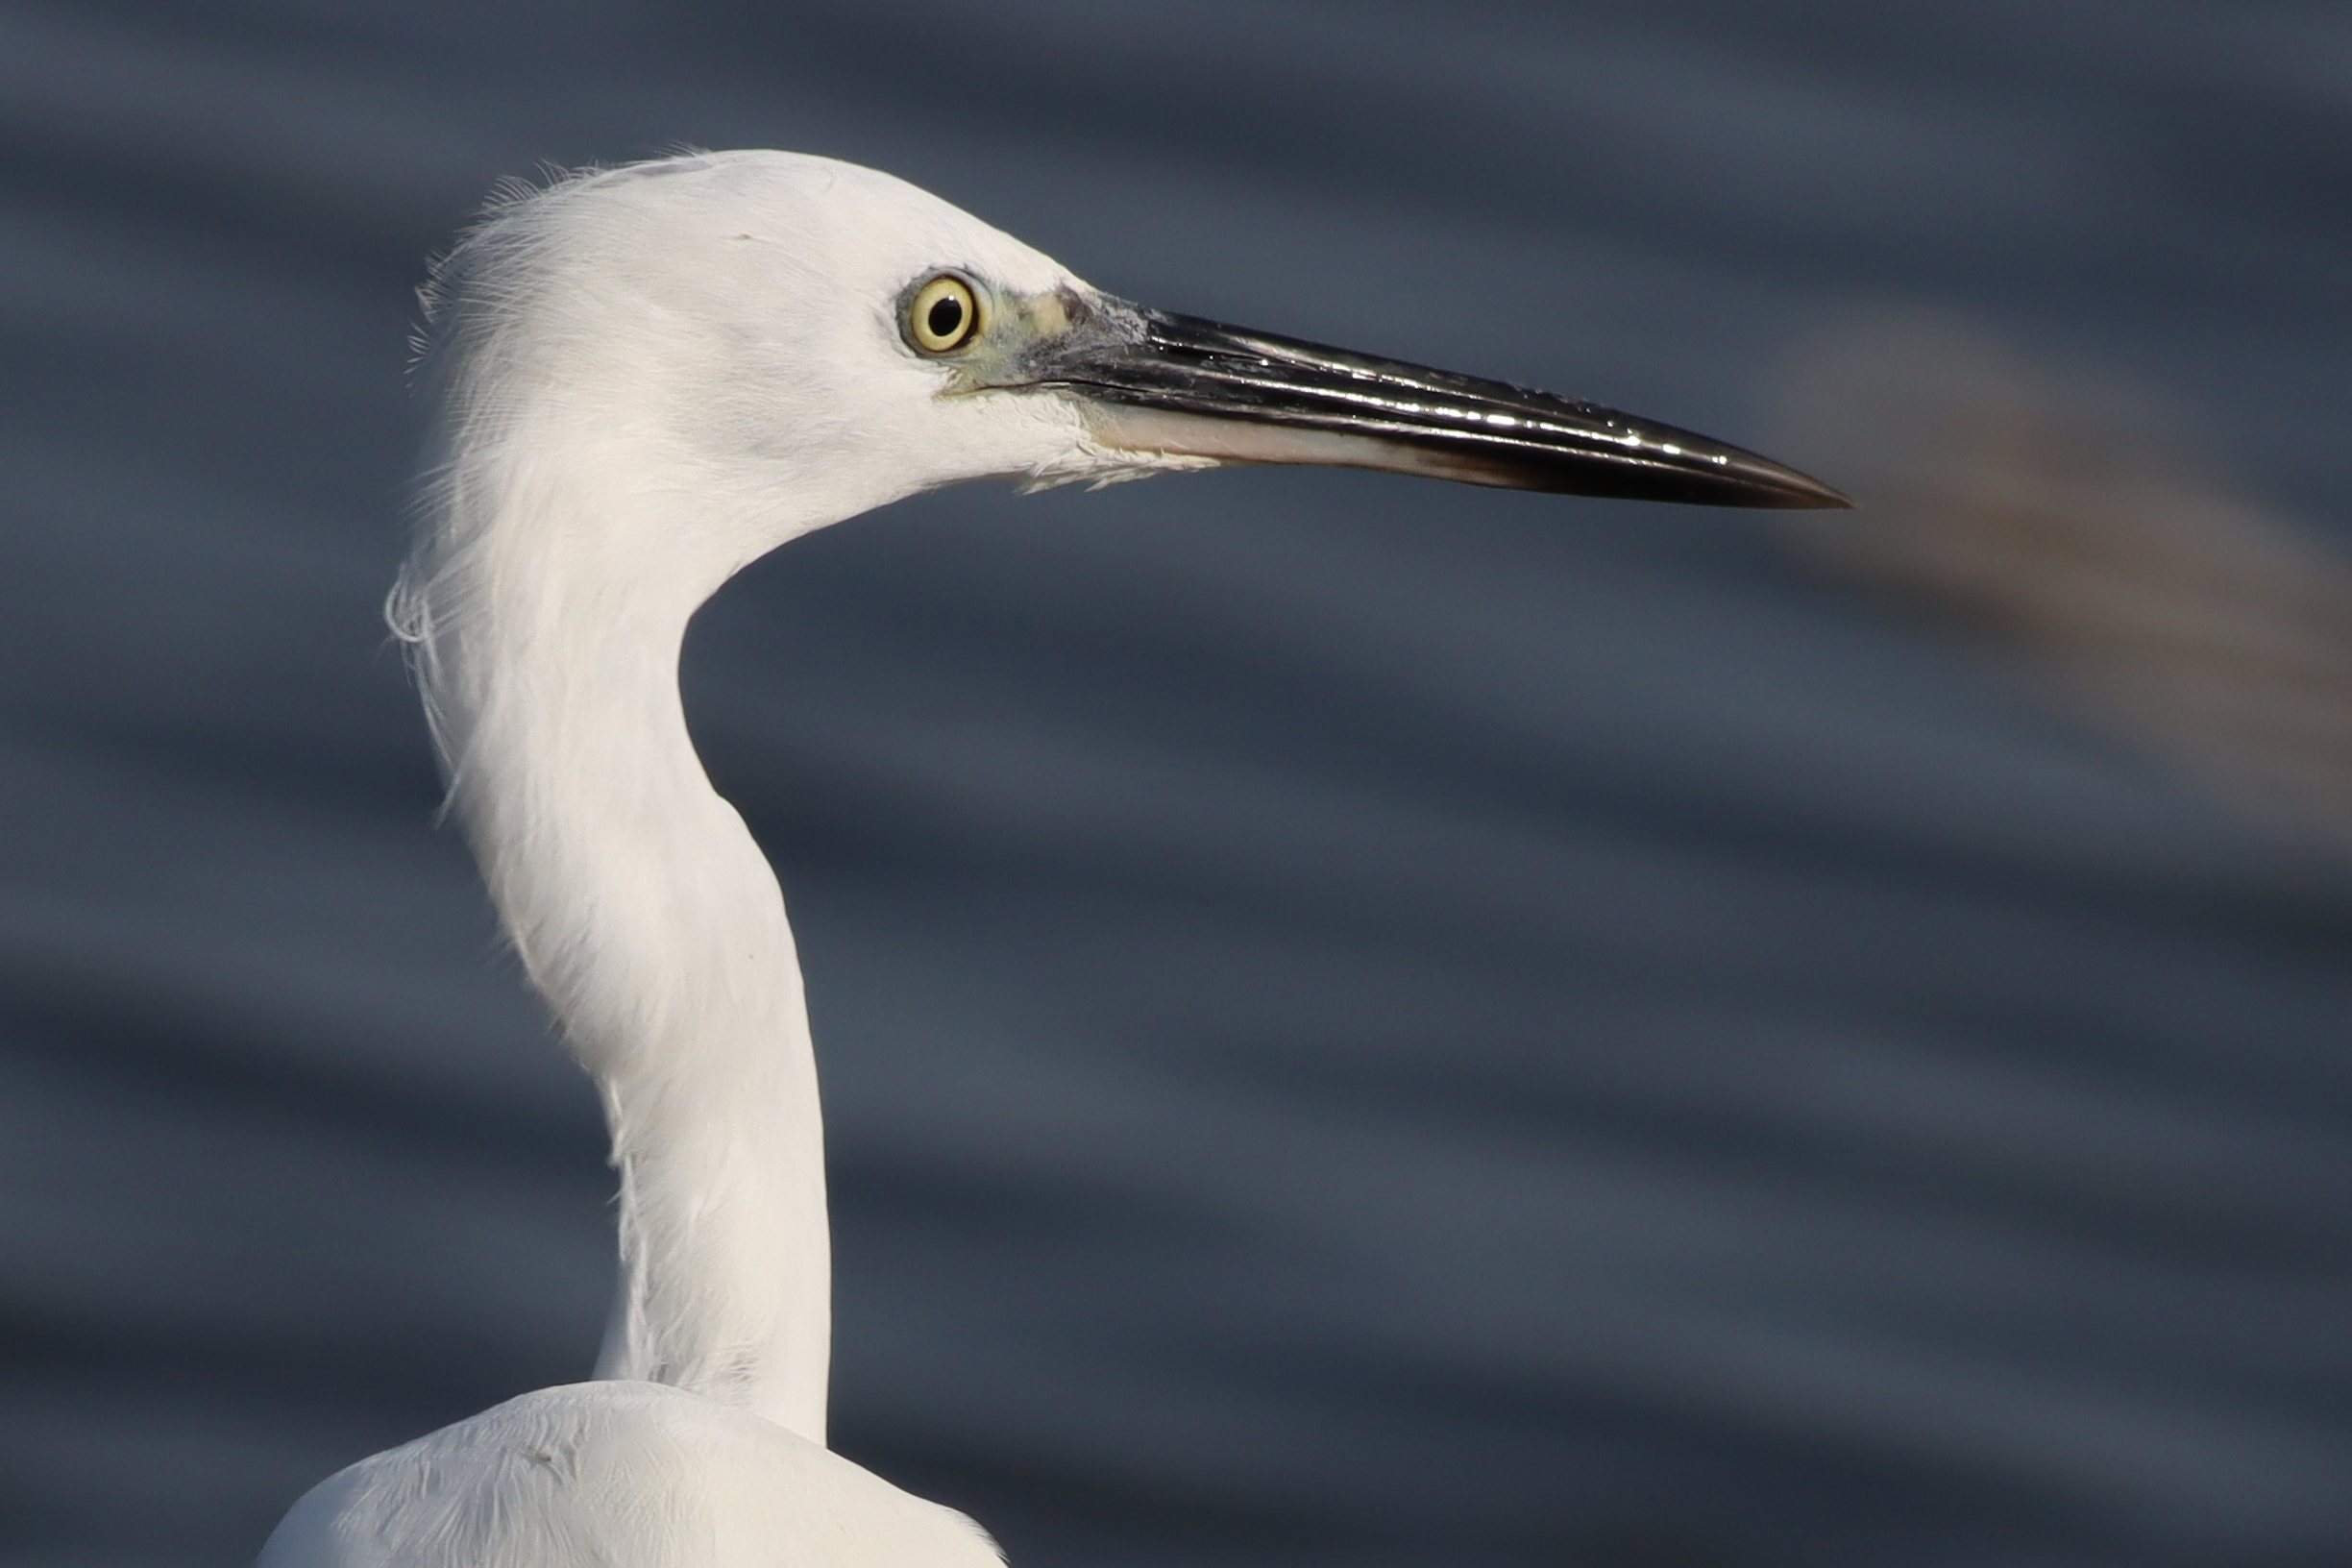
{"points": [[1179, 384]]}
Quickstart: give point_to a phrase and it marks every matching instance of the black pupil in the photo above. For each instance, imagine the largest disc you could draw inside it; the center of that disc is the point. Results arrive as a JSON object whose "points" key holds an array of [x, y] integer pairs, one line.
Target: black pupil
{"points": [[947, 315]]}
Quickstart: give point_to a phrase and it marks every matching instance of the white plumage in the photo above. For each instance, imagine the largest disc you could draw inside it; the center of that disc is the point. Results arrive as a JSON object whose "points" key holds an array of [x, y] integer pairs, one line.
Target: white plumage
{"points": [[634, 1475], [645, 379]]}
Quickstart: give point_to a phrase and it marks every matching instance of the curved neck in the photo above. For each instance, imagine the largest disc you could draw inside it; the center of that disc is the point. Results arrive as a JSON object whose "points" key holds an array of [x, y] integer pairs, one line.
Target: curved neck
{"points": [[648, 917]]}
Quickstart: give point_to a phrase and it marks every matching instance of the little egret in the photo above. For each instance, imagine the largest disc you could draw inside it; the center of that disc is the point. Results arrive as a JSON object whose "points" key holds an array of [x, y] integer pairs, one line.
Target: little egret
{"points": [[647, 377]]}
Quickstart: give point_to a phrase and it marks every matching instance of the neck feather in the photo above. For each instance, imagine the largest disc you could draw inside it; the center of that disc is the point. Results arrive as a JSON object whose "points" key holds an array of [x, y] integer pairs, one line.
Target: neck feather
{"points": [[641, 907]]}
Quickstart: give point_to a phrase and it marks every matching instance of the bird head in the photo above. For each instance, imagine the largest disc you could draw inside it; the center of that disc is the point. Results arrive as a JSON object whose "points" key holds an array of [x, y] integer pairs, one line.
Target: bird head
{"points": [[763, 343]]}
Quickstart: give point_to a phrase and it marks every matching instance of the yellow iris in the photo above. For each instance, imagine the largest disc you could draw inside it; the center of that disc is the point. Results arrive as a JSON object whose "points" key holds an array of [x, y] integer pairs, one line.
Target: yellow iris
{"points": [[944, 314]]}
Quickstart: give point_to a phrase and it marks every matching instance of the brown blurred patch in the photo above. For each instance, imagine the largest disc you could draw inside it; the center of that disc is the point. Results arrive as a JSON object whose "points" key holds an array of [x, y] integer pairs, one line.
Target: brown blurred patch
{"points": [[2039, 510]]}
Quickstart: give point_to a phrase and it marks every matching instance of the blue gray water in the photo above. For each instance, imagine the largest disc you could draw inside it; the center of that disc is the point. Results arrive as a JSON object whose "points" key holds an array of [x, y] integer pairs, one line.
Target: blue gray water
{"points": [[1364, 1021]]}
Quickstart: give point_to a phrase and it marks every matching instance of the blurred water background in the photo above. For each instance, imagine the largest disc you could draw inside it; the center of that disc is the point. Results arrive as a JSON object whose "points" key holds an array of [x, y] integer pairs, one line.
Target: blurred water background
{"points": [[1363, 1021]]}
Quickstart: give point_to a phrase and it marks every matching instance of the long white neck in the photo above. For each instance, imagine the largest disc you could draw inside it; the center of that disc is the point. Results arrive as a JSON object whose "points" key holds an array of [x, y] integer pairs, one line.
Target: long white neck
{"points": [[644, 378], [641, 909]]}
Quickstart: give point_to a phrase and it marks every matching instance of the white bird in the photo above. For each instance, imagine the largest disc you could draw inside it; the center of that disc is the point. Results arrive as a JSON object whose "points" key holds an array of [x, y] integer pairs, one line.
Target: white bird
{"points": [[645, 379]]}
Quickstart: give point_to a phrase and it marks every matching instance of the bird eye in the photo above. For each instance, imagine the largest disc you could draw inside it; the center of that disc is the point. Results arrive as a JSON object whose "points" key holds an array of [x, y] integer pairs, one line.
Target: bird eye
{"points": [[944, 314]]}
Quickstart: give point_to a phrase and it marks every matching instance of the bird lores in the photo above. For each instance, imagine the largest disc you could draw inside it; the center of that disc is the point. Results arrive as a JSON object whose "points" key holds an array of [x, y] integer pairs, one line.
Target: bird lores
{"points": [[647, 377]]}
